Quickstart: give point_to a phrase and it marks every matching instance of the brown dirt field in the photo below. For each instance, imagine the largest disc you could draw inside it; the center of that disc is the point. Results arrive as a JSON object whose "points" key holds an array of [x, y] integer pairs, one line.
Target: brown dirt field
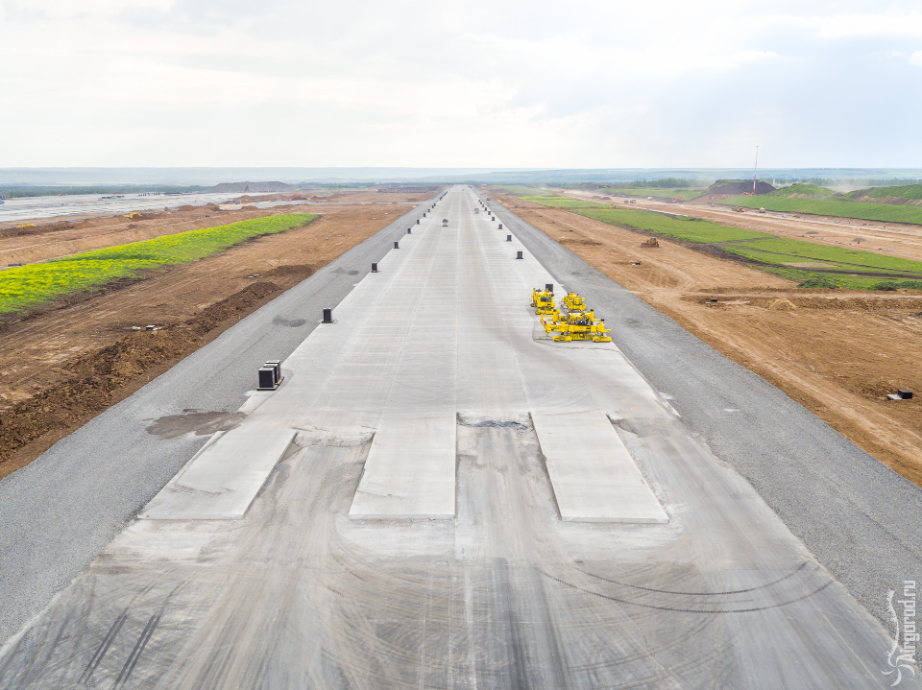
{"points": [[65, 363], [836, 353]]}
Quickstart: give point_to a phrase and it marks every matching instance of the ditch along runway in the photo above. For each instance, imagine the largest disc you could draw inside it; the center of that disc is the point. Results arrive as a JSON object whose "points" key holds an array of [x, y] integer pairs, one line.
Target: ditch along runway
{"points": [[438, 496]]}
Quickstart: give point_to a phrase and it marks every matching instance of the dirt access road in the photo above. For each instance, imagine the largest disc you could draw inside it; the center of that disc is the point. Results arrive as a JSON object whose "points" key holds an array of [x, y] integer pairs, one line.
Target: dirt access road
{"points": [[62, 365], [837, 353]]}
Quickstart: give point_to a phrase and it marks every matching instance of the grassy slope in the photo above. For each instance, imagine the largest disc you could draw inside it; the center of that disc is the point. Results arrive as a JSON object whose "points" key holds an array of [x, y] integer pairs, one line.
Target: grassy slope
{"points": [[832, 207], [780, 251], [29, 285], [909, 191], [810, 190], [682, 228]]}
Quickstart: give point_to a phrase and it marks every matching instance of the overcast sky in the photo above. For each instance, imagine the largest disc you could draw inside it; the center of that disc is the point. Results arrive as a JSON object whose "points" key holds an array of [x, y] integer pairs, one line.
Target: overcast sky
{"points": [[476, 83]]}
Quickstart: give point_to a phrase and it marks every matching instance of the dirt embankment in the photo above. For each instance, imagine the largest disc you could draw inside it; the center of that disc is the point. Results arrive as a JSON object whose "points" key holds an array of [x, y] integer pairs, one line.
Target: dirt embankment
{"points": [[837, 353], [65, 363], [99, 378]]}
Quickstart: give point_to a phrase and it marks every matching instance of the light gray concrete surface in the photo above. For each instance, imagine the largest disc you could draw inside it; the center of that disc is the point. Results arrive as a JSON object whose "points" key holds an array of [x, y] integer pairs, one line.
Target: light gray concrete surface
{"points": [[298, 594], [592, 472], [861, 520], [223, 478], [60, 511]]}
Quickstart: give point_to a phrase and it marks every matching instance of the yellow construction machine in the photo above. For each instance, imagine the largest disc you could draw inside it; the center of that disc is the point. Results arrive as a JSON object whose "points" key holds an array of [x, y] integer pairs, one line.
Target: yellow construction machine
{"points": [[133, 214], [652, 242], [578, 325], [543, 302], [573, 302]]}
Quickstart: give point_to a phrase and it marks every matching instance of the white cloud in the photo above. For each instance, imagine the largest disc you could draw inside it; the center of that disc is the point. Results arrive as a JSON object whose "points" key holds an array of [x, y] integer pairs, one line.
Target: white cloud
{"points": [[170, 82], [850, 25]]}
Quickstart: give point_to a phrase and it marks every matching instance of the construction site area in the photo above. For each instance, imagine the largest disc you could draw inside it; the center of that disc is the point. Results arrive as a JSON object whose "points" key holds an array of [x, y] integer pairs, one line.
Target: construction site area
{"points": [[454, 436], [837, 352]]}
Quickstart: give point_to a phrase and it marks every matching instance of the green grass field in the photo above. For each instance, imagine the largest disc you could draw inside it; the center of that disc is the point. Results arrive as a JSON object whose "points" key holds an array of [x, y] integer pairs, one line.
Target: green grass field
{"points": [[682, 228], [832, 207], [562, 202], [30, 285], [806, 279], [782, 252], [684, 192]]}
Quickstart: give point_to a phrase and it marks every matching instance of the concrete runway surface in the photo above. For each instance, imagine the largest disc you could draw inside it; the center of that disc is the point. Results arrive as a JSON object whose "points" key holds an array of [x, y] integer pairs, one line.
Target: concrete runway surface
{"points": [[402, 495]]}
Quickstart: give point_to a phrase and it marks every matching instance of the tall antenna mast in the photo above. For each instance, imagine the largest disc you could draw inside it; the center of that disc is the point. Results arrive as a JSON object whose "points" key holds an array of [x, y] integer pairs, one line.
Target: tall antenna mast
{"points": [[756, 172]]}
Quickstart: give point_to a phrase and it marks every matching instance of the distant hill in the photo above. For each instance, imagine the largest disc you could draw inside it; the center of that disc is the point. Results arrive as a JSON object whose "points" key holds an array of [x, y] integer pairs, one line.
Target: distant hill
{"points": [[236, 187], [899, 195], [804, 191]]}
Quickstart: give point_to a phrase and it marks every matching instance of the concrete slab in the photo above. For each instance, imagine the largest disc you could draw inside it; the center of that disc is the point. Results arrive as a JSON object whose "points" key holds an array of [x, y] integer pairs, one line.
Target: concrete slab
{"points": [[595, 479], [222, 480], [410, 470]]}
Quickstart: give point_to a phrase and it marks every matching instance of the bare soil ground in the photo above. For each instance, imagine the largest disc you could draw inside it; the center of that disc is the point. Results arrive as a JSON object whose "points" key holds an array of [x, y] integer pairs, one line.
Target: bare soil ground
{"points": [[837, 353], [63, 364]]}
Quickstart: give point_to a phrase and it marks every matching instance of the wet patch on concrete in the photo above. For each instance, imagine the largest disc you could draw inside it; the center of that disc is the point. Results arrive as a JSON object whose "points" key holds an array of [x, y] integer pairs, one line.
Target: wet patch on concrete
{"points": [[291, 323], [199, 423]]}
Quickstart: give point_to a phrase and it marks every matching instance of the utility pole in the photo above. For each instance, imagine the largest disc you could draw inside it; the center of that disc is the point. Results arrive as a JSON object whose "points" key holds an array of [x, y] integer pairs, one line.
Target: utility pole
{"points": [[756, 172]]}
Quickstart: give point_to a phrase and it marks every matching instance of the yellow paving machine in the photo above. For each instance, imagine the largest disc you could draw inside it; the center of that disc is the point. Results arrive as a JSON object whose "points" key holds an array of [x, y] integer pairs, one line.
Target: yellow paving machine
{"points": [[543, 302], [577, 325], [576, 322], [573, 302]]}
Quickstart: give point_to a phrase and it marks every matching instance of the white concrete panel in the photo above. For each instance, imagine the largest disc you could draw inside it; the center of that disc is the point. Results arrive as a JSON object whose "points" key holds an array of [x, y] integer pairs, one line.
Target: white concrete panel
{"points": [[595, 479], [222, 480], [410, 470]]}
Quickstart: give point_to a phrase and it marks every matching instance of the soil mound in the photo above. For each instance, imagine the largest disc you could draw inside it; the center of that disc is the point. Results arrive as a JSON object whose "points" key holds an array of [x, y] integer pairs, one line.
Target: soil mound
{"points": [[782, 305], [737, 187]]}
